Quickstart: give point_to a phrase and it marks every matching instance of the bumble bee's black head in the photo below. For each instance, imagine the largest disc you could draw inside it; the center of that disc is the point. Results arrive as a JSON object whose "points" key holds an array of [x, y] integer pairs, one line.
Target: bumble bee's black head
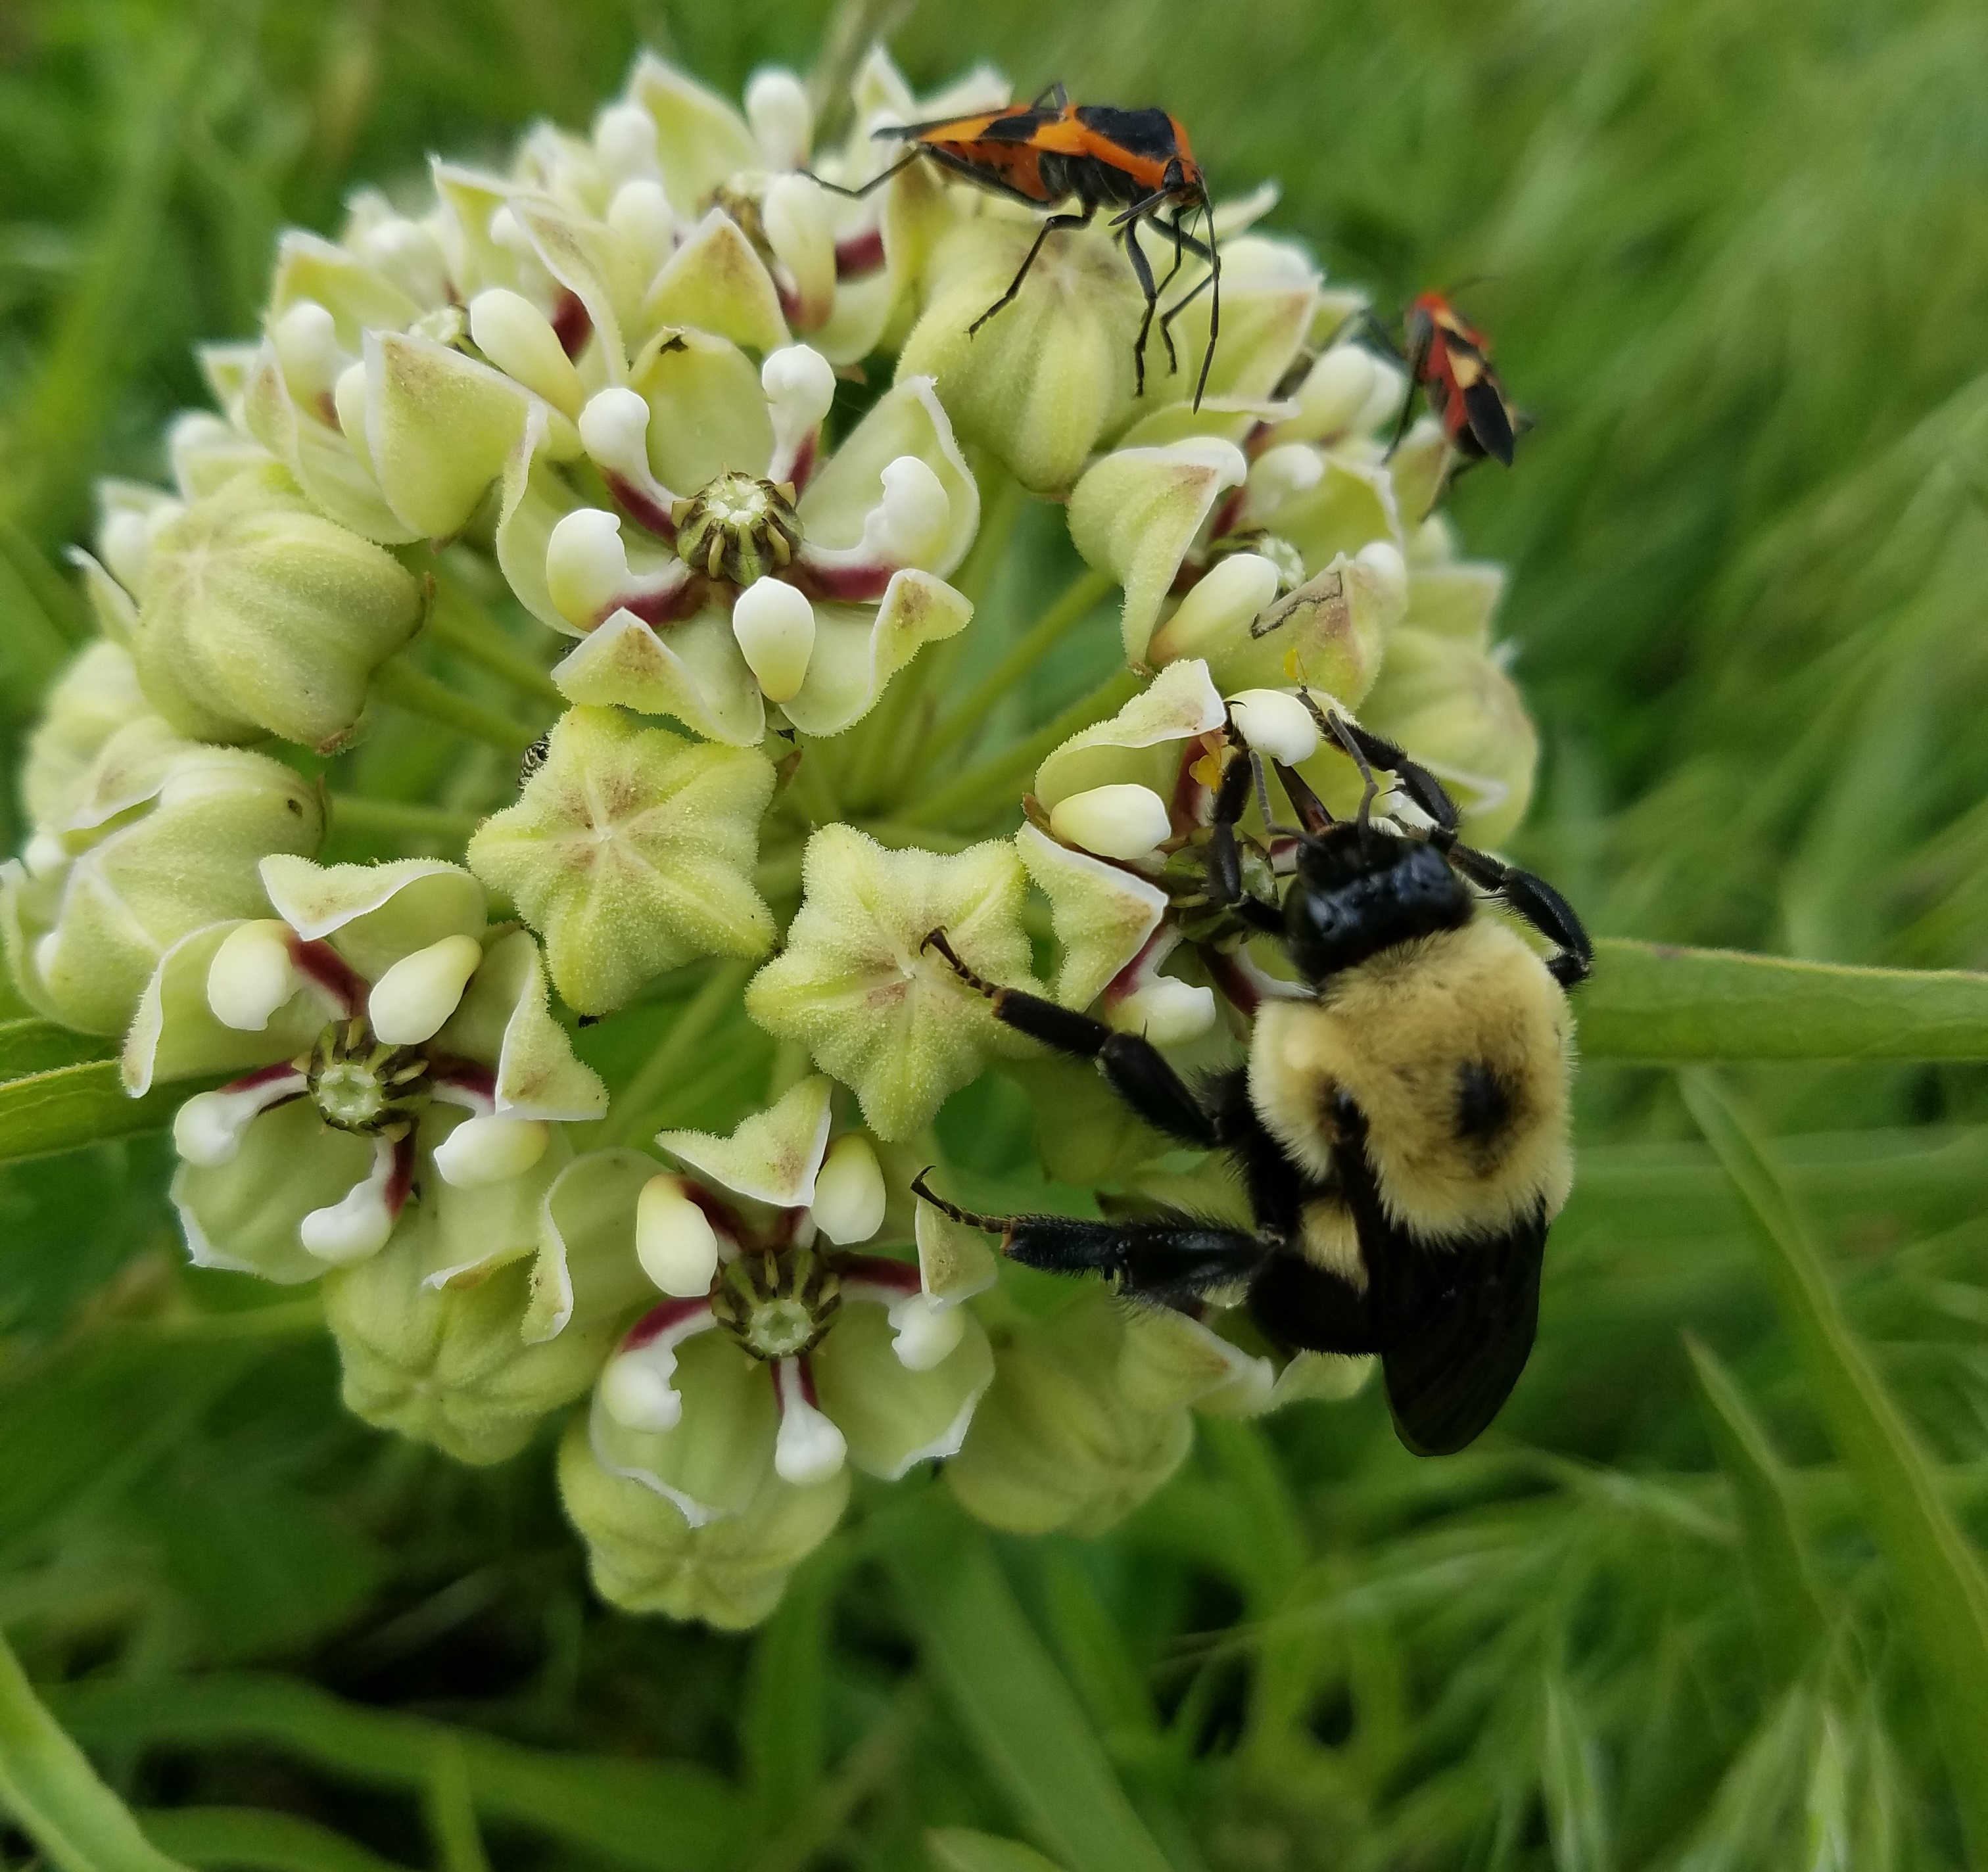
{"points": [[1359, 890]]}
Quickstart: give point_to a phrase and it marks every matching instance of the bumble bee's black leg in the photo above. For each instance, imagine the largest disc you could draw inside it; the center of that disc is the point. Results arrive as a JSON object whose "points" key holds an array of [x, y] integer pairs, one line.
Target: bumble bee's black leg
{"points": [[1053, 224], [1418, 782], [1132, 1065], [1175, 1263], [1310, 1309], [1225, 857], [1534, 901]]}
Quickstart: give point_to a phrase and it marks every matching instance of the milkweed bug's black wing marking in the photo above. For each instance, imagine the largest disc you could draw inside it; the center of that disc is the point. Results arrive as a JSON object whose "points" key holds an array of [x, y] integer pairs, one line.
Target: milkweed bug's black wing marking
{"points": [[1490, 422]]}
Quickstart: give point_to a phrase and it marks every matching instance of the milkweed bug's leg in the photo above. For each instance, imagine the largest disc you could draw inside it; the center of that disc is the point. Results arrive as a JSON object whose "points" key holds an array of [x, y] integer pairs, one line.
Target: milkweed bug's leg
{"points": [[870, 187], [1049, 226], [1142, 271]]}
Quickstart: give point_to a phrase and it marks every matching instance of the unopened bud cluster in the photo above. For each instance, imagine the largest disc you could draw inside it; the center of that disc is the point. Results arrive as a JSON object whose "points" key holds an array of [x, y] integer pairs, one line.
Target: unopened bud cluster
{"points": [[713, 447]]}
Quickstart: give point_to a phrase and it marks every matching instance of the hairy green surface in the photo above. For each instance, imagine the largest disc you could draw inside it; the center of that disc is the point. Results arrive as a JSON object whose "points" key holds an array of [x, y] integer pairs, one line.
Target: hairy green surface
{"points": [[1680, 1611]]}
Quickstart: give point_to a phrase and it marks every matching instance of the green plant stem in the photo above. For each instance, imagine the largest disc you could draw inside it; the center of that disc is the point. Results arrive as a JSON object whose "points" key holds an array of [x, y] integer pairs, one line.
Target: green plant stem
{"points": [[458, 623], [813, 787], [403, 686], [53, 1794], [865, 1769], [400, 819], [631, 1120], [1077, 598], [988, 786], [450, 1813]]}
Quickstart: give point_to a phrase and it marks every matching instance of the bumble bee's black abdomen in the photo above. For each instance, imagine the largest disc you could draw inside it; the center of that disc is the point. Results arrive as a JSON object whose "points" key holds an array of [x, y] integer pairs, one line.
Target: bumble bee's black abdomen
{"points": [[1348, 904]]}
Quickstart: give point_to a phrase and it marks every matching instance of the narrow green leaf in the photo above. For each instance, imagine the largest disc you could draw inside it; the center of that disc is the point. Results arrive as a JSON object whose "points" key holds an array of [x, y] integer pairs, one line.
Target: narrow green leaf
{"points": [[35, 1045], [1943, 1596], [1649, 1001], [1019, 1712], [54, 1795], [257, 1841], [953, 1848], [1793, 1620], [67, 1107], [651, 1816]]}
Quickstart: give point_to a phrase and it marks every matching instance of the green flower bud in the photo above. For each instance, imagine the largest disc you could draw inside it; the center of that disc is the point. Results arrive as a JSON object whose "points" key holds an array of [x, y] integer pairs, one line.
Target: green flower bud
{"points": [[630, 851], [1058, 1442], [855, 985], [644, 1555], [157, 838], [447, 1364], [95, 697], [1135, 513], [1050, 373], [1456, 711], [262, 617]]}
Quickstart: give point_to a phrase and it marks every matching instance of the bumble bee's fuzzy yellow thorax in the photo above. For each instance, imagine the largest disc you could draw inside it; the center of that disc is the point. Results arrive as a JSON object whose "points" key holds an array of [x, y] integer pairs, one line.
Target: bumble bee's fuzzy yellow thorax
{"points": [[1458, 1049]]}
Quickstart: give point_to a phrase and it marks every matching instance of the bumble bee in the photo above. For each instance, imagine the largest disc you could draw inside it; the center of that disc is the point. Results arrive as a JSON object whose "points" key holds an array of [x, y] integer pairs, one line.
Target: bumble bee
{"points": [[1401, 1131]]}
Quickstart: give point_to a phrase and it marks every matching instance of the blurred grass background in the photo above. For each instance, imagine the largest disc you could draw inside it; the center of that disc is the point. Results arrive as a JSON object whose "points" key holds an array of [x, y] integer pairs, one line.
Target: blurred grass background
{"points": [[1737, 262]]}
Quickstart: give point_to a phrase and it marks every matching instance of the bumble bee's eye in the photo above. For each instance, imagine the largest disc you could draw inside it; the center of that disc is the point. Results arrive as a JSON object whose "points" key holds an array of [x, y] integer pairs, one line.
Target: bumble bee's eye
{"points": [[1483, 1106]]}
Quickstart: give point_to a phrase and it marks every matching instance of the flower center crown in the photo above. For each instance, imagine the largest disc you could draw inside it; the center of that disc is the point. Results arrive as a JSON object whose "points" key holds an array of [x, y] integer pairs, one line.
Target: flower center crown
{"points": [[777, 1305], [360, 1084], [739, 528]]}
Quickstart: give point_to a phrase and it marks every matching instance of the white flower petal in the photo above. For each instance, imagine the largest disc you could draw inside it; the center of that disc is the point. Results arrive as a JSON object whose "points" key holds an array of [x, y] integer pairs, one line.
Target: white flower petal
{"points": [[674, 1241], [413, 1000]]}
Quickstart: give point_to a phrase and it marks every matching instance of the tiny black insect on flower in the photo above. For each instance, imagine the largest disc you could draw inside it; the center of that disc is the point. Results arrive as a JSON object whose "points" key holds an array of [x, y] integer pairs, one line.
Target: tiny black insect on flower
{"points": [[1138, 161], [1402, 1126]]}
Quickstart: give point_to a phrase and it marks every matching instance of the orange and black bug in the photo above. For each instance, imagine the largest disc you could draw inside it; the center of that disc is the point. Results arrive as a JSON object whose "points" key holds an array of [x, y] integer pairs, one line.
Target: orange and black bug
{"points": [[1451, 361], [1139, 161]]}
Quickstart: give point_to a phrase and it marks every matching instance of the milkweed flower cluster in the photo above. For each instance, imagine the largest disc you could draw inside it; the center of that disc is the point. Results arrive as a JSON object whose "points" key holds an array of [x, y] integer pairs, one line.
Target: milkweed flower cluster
{"points": [[598, 1085]]}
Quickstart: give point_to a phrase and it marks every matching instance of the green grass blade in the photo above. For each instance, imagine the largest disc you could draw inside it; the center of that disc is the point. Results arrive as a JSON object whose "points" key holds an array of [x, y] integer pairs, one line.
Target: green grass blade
{"points": [[953, 1848], [1943, 1596], [1577, 1813], [1793, 1622], [1020, 1714], [247, 1837], [1649, 1001], [67, 1107], [654, 1817], [54, 1795]]}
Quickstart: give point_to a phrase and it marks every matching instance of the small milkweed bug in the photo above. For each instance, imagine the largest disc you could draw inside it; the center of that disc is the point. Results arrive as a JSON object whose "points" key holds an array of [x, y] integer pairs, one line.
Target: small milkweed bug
{"points": [[1139, 161], [1452, 362]]}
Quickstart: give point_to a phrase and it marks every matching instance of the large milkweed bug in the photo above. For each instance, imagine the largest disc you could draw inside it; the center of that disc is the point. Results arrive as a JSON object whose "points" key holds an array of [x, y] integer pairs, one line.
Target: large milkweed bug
{"points": [[1139, 161], [1452, 362]]}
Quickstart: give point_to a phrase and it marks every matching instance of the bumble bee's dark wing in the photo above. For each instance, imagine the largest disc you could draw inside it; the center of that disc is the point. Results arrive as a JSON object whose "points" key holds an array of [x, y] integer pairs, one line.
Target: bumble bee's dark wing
{"points": [[1451, 1370]]}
